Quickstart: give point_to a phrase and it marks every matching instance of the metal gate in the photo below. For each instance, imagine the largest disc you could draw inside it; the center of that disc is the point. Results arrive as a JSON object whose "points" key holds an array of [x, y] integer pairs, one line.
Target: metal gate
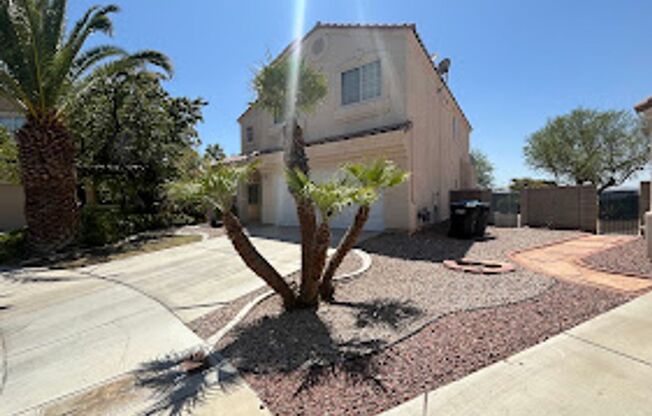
{"points": [[619, 212]]}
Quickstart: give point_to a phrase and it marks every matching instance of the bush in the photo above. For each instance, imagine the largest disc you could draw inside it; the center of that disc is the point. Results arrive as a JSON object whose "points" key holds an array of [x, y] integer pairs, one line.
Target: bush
{"points": [[100, 226], [12, 247]]}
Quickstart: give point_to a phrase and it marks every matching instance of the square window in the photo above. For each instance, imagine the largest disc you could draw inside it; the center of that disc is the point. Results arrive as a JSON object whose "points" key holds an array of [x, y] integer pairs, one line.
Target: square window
{"points": [[362, 83]]}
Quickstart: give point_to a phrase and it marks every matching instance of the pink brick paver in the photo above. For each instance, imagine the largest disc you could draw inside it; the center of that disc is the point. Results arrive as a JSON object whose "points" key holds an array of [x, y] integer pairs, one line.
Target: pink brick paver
{"points": [[563, 260]]}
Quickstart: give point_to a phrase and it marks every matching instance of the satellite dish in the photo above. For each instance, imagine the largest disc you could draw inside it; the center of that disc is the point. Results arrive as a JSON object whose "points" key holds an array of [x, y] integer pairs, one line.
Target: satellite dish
{"points": [[444, 66]]}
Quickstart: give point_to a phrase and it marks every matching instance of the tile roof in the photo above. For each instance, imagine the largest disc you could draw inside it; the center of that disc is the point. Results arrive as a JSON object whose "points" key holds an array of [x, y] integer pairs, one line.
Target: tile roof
{"points": [[644, 105], [405, 126]]}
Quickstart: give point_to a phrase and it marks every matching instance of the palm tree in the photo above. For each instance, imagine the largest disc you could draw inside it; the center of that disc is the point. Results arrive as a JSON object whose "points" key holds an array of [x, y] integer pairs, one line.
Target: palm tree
{"points": [[371, 179], [271, 86], [317, 203], [42, 71]]}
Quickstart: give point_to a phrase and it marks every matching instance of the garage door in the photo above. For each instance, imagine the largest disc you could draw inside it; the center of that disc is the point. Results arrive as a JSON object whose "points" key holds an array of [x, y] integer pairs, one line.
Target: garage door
{"points": [[287, 215]]}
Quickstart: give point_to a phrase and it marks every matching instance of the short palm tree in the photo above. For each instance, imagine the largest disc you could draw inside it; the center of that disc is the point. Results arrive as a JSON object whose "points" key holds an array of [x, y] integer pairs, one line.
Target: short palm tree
{"points": [[42, 70], [317, 203]]}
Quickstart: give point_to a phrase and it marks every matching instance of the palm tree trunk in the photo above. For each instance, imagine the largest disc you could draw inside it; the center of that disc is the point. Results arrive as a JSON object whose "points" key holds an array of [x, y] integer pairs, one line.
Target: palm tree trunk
{"points": [[255, 261], [309, 291], [47, 159], [296, 159], [327, 289]]}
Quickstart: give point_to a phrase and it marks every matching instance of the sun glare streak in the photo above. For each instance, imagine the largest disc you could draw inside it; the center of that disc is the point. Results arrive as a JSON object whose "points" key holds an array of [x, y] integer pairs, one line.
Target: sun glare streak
{"points": [[295, 58]]}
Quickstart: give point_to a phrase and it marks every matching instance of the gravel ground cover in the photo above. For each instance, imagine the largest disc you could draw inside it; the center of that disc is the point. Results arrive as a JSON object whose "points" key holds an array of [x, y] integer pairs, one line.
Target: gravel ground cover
{"points": [[408, 325], [209, 324], [406, 287], [629, 258]]}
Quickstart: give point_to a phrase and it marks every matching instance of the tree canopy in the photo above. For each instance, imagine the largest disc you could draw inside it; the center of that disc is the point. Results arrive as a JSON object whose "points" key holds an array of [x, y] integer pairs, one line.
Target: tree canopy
{"points": [[133, 137], [484, 169], [518, 184], [604, 148]]}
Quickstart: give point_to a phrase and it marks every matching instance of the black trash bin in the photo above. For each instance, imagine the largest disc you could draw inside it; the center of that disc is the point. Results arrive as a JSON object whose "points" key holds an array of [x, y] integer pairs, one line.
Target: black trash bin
{"points": [[468, 219]]}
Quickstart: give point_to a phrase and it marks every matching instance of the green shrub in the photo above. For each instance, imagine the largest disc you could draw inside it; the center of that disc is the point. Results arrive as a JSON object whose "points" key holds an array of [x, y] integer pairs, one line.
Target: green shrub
{"points": [[100, 226], [12, 247]]}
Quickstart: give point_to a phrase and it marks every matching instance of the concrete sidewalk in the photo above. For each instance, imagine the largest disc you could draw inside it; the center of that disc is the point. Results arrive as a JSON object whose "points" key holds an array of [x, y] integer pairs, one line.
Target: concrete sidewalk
{"points": [[602, 367], [64, 331]]}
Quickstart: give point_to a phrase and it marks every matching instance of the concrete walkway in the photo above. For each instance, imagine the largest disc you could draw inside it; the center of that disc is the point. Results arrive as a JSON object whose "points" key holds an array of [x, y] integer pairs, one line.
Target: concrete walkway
{"points": [[601, 367], [62, 332]]}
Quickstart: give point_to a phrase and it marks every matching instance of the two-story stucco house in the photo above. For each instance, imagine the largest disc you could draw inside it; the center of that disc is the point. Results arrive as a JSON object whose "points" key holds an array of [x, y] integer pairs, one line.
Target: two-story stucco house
{"points": [[385, 98]]}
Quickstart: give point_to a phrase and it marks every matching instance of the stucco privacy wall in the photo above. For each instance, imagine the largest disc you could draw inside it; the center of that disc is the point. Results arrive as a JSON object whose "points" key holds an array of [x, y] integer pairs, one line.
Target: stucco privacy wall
{"points": [[571, 207], [440, 136], [12, 201], [333, 51]]}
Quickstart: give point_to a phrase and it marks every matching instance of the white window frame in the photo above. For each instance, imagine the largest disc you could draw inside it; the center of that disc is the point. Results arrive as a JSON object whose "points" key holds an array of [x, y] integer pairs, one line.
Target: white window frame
{"points": [[368, 90]]}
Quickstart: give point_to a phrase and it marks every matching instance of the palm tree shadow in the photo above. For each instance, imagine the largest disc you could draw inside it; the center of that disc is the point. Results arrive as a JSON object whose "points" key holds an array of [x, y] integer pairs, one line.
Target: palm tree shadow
{"points": [[177, 389], [298, 343]]}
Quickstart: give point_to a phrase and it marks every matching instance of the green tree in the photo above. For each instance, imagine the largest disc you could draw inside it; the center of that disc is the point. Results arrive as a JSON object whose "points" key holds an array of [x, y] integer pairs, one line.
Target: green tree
{"points": [[9, 168], [604, 148], [484, 170], [132, 137], [214, 152], [43, 70], [518, 184]]}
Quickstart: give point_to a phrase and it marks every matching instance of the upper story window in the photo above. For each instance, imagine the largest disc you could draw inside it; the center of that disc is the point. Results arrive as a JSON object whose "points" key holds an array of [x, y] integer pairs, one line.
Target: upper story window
{"points": [[12, 123], [456, 127], [362, 83], [249, 132]]}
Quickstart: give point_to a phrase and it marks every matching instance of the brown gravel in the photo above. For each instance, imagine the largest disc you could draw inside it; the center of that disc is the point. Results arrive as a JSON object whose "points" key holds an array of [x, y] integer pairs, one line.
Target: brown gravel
{"points": [[209, 324], [442, 352], [629, 258], [407, 325], [406, 287]]}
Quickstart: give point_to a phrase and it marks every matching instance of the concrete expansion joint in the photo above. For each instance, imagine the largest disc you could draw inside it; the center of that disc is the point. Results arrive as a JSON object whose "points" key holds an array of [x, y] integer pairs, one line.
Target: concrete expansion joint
{"points": [[610, 350]]}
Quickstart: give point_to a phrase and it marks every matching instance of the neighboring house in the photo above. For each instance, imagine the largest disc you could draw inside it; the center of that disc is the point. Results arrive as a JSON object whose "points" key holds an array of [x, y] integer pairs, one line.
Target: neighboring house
{"points": [[12, 198], [385, 99], [645, 110]]}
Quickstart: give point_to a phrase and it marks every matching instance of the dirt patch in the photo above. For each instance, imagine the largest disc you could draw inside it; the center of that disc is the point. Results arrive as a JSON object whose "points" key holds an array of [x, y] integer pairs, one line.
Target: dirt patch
{"points": [[629, 258]]}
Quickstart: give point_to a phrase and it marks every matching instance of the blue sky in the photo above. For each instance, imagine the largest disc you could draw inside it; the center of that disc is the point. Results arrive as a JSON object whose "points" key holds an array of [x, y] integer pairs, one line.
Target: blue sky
{"points": [[516, 63]]}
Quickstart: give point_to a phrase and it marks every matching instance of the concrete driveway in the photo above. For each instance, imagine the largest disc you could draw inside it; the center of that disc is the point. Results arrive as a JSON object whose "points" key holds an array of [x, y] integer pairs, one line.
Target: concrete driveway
{"points": [[63, 331]]}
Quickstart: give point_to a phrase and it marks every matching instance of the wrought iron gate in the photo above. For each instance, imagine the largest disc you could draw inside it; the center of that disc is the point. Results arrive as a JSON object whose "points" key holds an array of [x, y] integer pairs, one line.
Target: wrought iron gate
{"points": [[619, 212]]}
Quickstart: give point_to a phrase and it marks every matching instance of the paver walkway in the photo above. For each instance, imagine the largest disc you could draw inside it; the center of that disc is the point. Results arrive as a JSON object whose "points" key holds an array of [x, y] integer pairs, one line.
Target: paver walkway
{"points": [[563, 260], [602, 367]]}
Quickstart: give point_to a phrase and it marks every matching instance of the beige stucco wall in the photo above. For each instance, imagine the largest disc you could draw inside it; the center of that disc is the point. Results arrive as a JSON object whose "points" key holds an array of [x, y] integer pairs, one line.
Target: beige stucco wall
{"points": [[344, 49], [12, 201], [397, 211], [439, 158]]}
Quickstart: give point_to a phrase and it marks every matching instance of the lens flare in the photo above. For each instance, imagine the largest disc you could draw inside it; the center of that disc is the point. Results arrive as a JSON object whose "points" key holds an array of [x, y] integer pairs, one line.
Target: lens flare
{"points": [[295, 59]]}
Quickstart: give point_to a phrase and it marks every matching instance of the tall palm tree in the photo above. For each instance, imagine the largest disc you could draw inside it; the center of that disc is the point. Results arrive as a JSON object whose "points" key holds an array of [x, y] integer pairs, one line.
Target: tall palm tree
{"points": [[42, 70]]}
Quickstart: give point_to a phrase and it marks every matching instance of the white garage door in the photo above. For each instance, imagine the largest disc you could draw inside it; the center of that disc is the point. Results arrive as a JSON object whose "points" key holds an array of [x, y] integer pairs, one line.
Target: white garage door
{"points": [[287, 215]]}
